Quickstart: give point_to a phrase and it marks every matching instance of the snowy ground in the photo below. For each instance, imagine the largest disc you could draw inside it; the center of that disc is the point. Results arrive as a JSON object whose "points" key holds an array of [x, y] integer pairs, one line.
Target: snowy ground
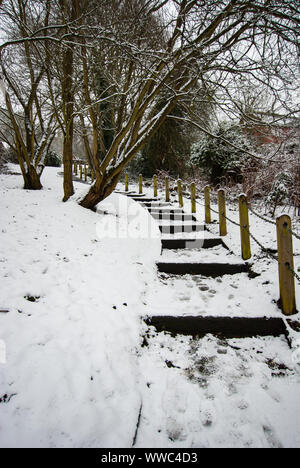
{"points": [[75, 369]]}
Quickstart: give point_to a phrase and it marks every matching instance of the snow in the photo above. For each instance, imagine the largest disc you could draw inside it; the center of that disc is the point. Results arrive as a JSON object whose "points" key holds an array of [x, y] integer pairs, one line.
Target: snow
{"points": [[241, 295], [2, 87], [219, 396], [216, 255], [77, 372], [71, 357]]}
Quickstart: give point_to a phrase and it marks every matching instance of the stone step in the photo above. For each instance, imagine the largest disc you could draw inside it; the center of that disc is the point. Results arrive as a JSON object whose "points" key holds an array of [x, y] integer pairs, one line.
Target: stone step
{"points": [[144, 199], [134, 194], [224, 327], [205, 269], [173, 216], [131, 193], [166, 209], [176, 244], [155, 204], [178, 228]]}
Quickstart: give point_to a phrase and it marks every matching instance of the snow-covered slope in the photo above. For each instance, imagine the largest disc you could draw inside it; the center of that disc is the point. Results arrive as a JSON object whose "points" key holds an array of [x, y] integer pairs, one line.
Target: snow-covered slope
{"points": [[71, 373]]}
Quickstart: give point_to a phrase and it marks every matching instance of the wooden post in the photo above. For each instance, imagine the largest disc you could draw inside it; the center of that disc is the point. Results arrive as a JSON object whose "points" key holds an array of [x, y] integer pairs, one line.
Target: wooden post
{"points": [[244, 227], [193, 197], [286, 265], [207, 204], [126, 182], [140, 184], [81, 171], [76, 171], [222, 212], [155, 186], [167, 189], [85, 172], [179, 191]]}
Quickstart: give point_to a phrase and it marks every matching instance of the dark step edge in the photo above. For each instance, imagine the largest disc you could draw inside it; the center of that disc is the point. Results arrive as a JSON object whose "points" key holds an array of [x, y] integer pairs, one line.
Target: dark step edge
{"points": [[226, 327], [178, 228], [205, 269], [135, 195], [149, 205], [128, 194], [173, 217], [144, 200], [190, 244], [167, 209]]}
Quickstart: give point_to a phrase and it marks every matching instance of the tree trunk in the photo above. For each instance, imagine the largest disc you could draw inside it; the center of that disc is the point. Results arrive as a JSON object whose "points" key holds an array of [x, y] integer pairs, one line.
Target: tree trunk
{"points": [[91, 199], [67, 161], [68, 104], [100, 190], [32, 180]]}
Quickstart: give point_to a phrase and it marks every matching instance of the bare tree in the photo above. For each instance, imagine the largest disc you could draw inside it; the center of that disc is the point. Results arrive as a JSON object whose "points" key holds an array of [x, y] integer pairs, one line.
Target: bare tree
{"points": [[70, 12], [116, 58], [27, 113], [37, 71], [210, 43]]}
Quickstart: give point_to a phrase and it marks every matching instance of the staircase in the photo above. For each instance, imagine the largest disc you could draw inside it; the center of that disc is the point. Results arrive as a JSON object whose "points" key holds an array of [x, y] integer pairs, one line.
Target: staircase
{"points": [[189, 248]]}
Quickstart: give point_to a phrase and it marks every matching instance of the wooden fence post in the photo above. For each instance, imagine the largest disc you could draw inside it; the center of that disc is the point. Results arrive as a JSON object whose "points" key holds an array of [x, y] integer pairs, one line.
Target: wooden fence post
{"points": [[140, 183], [167, 189], [76, 170], [126, 182], [179, 191], [286, 265], [85, 172], [155, 186], [222, 212], [193, 197], [81, 171], [207, 204], [244, 227]]}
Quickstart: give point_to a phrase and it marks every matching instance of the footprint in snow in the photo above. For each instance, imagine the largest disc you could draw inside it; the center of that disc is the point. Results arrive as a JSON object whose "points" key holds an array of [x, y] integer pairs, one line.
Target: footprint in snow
{"points": [[271, 437]]}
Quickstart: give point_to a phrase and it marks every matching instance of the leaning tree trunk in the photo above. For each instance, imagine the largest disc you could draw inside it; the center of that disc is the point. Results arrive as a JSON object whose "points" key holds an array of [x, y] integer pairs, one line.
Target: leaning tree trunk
{"points": [[32, 179], [100, 190]]}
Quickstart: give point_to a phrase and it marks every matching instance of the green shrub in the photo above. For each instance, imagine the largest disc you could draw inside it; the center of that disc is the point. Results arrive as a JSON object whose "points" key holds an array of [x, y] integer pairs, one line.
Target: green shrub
{"points": [[280, 190], [11, 156], [169, 148], [52, 159], [222, 156]]}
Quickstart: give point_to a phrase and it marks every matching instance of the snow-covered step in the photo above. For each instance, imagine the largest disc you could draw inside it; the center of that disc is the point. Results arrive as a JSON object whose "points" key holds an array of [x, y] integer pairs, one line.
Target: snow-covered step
{"points": [[144, 199], [173, 216], [217, 255], [134, 194], [169, 228], [154, 204], [225, 327], [128, 194], [166, 209]]}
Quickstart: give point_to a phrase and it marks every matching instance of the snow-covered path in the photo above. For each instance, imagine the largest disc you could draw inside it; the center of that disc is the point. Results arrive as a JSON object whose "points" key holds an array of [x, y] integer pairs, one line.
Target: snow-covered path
{"points": [[219, 393], [214, 392], [78, 369]]}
